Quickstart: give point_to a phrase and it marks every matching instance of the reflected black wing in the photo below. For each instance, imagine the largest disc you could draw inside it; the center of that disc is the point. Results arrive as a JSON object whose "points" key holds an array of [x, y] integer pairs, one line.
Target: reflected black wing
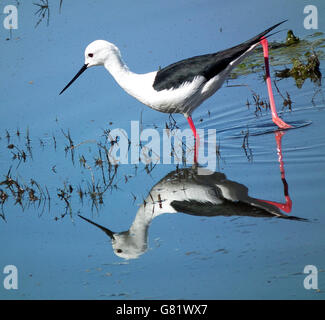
{"points": [[208, 65], [229, 208], [226, 208]]}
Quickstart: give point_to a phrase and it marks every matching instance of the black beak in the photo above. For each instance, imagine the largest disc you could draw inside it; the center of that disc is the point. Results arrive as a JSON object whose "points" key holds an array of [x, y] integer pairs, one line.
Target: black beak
{"points": [[107, 231], [84, 67]]}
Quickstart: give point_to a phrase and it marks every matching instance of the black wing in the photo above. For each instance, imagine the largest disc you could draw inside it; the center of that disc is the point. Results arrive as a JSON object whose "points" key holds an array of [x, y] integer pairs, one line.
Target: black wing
{"points": [[230, 208], [208, 65]]}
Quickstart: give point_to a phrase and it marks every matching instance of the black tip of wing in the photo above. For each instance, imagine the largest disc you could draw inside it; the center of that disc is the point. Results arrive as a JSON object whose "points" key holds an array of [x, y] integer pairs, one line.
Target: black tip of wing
{"points": [[265, 32], [295, 218]]}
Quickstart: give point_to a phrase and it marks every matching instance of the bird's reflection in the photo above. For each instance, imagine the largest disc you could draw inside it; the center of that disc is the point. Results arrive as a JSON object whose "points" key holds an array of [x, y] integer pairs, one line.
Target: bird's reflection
{"points": [[186, 191]]}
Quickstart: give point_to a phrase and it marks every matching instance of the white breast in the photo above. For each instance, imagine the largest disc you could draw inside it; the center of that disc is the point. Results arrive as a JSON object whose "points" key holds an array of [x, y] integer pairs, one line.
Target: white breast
{"points": [[140, 86]]}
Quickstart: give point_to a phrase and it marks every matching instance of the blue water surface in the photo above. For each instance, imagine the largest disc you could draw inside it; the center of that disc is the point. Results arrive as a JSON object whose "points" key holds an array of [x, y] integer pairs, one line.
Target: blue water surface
{"points": [[188, 256]]}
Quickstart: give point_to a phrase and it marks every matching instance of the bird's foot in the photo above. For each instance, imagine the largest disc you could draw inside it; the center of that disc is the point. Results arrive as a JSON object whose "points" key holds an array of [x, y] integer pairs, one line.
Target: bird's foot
{"points": [[280, 123], [286, 207]]}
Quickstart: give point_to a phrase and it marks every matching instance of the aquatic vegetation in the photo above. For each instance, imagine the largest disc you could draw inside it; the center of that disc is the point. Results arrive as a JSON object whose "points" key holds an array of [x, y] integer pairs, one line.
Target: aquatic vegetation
{"points": [[103, 170], [287, 102], [246, 148], [301, 71], [97, 175], [43, 12], [33, 191], [291, 38], [284, 53]]}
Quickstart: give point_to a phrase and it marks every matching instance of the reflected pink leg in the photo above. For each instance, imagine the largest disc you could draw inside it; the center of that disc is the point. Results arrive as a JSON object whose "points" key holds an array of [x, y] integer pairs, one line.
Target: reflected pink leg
{"points": [[196, 137], [287, 206], [275, 118]]}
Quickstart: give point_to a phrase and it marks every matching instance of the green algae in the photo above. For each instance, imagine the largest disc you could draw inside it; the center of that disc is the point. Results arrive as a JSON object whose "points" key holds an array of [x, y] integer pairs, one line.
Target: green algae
{"points": [[301, 71], [291, 38]]}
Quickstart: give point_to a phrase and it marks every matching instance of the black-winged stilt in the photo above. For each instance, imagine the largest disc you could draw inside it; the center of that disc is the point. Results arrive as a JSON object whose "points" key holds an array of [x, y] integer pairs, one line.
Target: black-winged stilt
{"points": [[182, 86]]}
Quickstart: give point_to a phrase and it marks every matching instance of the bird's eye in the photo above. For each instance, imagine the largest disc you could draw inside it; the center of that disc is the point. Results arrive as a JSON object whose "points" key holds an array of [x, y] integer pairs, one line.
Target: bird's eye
{"points": [[90, 55], [119, 250]]}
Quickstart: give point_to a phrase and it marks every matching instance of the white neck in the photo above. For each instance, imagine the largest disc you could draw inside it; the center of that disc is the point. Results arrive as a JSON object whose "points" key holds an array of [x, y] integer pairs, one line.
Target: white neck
{"points": [[121, 73], [136, 85], [146, 213]]}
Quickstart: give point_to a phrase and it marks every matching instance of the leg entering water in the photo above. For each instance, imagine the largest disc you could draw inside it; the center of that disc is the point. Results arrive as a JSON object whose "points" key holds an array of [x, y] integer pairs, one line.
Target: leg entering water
{"points": [[275, 118], [196, 138]]}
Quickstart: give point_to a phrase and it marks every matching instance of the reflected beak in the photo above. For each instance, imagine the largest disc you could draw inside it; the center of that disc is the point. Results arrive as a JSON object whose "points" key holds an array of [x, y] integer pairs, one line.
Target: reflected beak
{"points": [[84, 67], [107, 231]]}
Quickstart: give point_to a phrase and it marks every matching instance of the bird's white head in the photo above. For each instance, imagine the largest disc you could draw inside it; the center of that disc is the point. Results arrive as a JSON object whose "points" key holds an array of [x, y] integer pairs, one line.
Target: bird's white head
{"points": [[100, 51], [129, 246], [97, 53]]}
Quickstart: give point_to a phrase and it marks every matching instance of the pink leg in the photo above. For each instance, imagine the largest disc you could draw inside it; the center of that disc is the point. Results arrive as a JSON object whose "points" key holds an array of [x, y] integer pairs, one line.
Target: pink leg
{"points": [[196, 137], [287, 206], [275, 118]]}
